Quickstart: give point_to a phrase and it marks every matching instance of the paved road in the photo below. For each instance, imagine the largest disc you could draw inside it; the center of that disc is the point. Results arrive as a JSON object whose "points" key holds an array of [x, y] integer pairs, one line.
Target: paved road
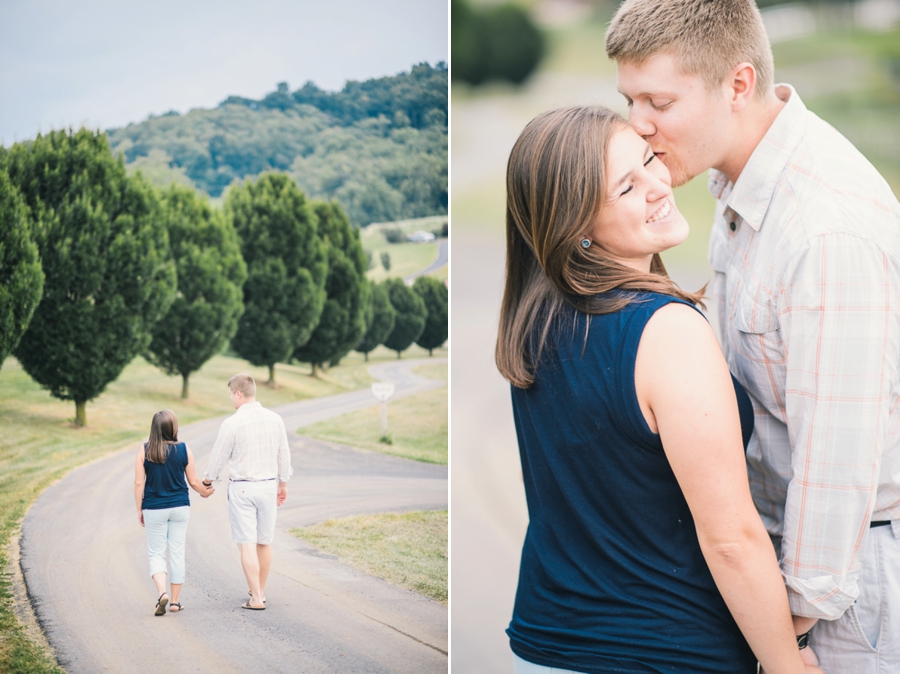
{"points": [[85, 562], [442, 259]]}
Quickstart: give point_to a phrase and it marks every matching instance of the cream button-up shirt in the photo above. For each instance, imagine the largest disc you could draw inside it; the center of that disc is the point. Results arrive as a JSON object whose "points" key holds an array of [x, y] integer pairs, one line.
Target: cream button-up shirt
{"points": [[805, 252], [254, 443]]}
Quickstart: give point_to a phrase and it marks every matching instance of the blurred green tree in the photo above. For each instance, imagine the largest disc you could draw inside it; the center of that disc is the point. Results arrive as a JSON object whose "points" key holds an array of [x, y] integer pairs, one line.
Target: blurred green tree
{"points": [[211, 275], [105, 254], [495, 43], [411, 314], [287, 265], [434, 294], [380, 316], [343, 321], [21, 277]]}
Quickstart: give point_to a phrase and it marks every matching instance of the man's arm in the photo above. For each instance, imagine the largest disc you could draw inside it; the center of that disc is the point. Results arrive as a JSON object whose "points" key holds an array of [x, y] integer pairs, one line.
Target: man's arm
{"points": [[840, 322], [221, 453], [284, 454]]}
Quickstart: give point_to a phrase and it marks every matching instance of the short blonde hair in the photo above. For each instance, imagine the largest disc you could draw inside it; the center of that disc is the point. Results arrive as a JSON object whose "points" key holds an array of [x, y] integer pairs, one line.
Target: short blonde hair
{"points": [[243, 383], [707, 37]]}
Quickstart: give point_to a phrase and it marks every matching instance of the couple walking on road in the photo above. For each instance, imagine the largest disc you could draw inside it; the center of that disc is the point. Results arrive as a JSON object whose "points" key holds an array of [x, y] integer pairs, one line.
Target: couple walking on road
{"points": [[254, 442]]}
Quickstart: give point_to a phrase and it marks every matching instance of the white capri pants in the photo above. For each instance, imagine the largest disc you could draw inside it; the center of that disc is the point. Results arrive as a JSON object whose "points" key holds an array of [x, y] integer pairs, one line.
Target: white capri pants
{"points": [[251, 509], [167, 527]]}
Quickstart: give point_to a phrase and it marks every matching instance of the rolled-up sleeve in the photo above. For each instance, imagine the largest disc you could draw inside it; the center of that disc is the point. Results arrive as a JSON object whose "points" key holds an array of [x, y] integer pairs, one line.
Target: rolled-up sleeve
{"points": [[839, 311], [284, 457]]}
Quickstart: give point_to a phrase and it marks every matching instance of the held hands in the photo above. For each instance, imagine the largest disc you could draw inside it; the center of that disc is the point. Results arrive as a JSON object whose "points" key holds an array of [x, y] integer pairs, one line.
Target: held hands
{"points": [[810, 660], [208, 489]]}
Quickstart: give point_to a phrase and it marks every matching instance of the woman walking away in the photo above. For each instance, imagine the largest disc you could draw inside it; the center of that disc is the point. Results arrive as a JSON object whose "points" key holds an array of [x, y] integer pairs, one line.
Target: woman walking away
{"points": [[161, 495]]}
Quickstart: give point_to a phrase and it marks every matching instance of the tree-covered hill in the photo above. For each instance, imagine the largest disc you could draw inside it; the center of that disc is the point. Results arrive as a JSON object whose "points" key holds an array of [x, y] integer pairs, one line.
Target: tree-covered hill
{"points": [[379, 147]]}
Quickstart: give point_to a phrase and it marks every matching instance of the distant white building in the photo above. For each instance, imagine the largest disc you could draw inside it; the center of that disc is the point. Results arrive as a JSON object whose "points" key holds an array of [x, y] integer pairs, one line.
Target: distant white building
{"points": [[420, 237]]}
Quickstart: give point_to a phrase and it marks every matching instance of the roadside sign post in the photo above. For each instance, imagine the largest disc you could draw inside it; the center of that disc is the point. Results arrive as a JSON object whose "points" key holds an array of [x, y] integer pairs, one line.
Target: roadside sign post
{"points": [[383, 391]]}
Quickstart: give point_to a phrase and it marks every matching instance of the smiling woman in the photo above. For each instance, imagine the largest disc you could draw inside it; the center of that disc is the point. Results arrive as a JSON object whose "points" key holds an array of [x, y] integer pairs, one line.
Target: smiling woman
{"points": [[617, 380], [638, 218]]}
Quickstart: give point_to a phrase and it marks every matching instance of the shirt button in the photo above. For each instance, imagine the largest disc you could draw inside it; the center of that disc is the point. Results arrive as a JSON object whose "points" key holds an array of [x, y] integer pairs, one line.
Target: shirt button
{"points": [[732, 226]]}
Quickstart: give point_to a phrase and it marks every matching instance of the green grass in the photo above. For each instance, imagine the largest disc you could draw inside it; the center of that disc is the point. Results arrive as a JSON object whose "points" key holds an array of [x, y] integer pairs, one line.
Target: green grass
{"points": [[407, 549], [579, 47], [406, 258], [417, 425], [39, 443]]}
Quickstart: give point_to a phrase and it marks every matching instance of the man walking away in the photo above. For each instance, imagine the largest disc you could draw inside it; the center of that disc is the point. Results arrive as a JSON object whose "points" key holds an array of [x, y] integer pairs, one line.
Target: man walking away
{"points": [[254, 444]]}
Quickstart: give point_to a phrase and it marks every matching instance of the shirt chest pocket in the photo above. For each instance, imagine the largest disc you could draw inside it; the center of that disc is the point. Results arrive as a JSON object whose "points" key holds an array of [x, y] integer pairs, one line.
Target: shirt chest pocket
{"points": [[757, 356]]}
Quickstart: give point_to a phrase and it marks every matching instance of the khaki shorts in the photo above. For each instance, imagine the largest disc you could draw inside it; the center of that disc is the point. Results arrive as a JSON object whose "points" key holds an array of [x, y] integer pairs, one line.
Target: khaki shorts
{"points": [[866, 640], [251, 509]]}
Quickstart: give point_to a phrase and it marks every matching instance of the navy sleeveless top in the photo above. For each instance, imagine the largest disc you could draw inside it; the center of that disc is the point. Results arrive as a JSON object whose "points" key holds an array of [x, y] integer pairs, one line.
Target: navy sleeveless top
{"points": [[165, 486], [612, 578]]}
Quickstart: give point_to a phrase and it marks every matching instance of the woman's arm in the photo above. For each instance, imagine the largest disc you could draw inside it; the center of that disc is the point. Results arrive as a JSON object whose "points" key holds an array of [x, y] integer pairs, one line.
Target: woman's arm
{"points": [[139, 478], [190, 473], [685, 391]]}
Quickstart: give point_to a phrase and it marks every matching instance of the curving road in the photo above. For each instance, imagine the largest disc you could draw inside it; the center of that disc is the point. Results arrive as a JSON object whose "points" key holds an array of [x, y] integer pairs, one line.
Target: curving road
{"points": [[84, 559], [443, 257]]}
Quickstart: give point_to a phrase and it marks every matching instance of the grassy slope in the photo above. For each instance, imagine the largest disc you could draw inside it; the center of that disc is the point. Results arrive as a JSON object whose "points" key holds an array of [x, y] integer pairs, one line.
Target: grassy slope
{"points": [[406, 258], [39, 444], [408, 549], [417, 425]]}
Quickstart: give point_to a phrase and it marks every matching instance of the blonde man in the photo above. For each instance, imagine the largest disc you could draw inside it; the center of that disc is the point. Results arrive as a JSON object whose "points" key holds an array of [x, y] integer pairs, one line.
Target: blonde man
{"points": [[805, 252], [254, 444]]}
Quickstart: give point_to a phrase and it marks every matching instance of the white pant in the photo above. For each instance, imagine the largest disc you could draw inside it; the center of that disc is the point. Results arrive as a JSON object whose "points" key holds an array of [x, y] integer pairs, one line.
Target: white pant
{"points": [[167, 527], [866, 639], [251, 509]]}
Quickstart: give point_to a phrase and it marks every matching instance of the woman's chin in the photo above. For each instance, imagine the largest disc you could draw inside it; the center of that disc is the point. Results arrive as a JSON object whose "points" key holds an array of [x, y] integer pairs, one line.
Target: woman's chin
{"points": [[671, 233]]}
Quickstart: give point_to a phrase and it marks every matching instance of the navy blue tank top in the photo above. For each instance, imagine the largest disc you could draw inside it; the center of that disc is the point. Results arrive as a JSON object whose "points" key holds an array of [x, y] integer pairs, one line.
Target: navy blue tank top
{"points": [[165, 486], [612, 578]]}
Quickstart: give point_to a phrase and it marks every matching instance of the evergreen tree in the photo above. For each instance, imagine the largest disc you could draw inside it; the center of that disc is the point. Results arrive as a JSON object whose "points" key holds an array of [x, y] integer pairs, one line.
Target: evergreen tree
{"points": [[105, 255], [343, 321], [434, 294], [211, 274], [411, 314], [286, 262], [21, 277], [380, 317]]}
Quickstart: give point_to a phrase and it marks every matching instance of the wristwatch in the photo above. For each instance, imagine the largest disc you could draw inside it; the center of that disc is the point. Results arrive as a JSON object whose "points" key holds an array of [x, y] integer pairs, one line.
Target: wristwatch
{"points": [[802, 641]]}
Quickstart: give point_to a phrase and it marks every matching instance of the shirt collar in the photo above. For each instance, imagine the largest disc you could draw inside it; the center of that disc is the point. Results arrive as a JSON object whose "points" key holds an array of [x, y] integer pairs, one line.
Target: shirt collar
{"points": [[255, 403], [751, 195]]}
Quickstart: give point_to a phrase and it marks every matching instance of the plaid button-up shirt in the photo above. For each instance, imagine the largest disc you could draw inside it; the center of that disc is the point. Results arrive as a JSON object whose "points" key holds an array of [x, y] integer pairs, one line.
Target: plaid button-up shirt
{"points": [[805, 252], [254, 444]]}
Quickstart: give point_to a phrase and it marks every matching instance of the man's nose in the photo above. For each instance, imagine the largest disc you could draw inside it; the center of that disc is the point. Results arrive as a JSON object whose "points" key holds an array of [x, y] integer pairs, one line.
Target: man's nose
{"points": [[641, 122]]}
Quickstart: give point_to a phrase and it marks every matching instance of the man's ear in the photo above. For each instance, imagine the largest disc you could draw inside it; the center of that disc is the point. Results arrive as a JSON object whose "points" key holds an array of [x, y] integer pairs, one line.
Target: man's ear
{"points": [[742, 82]]}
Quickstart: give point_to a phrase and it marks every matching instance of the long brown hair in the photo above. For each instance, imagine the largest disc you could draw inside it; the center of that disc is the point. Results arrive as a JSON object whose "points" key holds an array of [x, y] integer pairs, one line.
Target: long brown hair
{"points": [[554, 191], [163, 433]]}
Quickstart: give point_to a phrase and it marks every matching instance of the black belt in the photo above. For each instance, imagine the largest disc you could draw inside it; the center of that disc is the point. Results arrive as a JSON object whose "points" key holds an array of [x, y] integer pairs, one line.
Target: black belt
{"points": [[881, 523]]}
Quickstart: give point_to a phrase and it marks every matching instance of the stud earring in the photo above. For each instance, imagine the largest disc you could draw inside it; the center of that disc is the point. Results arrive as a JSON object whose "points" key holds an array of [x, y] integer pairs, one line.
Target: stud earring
{"points": [[585, 243]]}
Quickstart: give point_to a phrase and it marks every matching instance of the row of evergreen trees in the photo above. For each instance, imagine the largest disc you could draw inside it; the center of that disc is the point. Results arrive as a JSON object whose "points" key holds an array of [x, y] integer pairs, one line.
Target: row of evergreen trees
{"points": [[97, 267]]}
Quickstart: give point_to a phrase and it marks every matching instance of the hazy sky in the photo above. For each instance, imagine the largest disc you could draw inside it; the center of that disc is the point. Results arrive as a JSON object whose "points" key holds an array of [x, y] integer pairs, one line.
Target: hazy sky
{"points": [[105, 63]]}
